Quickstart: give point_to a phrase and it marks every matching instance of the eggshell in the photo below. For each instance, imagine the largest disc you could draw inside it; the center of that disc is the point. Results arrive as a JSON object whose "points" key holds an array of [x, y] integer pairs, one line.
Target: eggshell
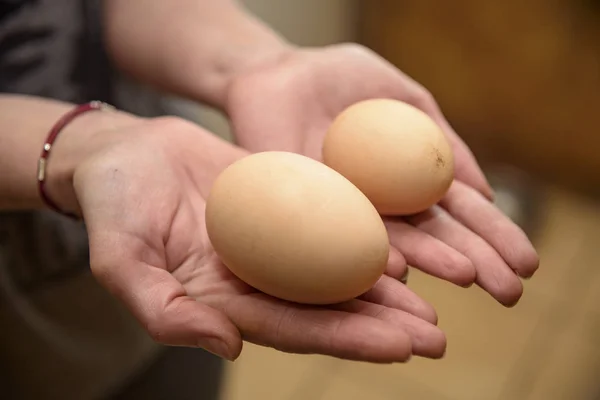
{"points": [[295, 229], [393, 152]]}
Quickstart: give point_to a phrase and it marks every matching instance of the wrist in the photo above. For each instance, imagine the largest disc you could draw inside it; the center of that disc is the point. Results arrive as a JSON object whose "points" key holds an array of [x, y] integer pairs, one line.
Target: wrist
{"points": [[80, 138], [242, 58], [239, 42], [191, 48]]}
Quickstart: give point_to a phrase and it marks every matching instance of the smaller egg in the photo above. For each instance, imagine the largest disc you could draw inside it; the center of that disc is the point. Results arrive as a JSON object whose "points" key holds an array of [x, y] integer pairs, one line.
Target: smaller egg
{"points": [[393, 152], [296, 229]]}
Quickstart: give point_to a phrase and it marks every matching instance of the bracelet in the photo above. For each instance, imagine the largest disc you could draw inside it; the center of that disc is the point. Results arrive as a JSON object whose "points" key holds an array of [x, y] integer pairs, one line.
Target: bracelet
{"points": [[50, 139]]}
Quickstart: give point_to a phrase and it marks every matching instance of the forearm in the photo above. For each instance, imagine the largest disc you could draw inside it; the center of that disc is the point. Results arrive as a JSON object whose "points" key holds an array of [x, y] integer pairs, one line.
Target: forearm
{"points": [[190, 47], [24, 123]]}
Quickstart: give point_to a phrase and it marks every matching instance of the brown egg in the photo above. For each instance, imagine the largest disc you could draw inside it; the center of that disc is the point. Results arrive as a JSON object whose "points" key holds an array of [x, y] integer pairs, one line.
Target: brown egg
{"points": [[393, 152], [295, 229]]}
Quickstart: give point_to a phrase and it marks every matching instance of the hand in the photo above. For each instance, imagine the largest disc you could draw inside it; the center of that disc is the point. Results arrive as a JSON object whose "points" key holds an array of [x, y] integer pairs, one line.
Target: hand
{"points": [[289, 105], [142, 195]]}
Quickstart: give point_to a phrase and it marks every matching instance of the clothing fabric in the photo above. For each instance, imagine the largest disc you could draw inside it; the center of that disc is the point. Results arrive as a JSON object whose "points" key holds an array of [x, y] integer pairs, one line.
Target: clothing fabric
{"points": [[63, 336]]}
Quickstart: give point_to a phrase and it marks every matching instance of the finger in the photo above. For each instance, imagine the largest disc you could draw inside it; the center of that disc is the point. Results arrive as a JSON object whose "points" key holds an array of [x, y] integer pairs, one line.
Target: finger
{"points": [[490, 223], [158, 301], [396, 267], [301, 329], [430, 255], [493, 274], [466, 167], [427, 339], [390, 293], [404, 278]]}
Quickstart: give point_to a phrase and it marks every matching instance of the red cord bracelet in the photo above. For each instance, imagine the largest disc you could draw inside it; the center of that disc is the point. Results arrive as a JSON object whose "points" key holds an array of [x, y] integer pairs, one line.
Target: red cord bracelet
{"points": [[50, 139]]}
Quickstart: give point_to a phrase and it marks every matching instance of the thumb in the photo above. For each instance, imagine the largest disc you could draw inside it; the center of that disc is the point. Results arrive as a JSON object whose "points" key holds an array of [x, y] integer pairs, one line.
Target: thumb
{"points": [[160, 303], [467, 168]]}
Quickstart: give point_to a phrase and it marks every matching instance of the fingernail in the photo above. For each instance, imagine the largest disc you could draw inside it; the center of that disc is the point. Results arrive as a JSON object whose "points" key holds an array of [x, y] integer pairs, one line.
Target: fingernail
{"points": [[512, 303], [404, 278], [217, 347], [524, 277]]}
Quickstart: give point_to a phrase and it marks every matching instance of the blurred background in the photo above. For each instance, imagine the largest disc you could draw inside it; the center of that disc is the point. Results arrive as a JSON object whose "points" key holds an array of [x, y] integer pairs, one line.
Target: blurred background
{"points": [[520, 82]]}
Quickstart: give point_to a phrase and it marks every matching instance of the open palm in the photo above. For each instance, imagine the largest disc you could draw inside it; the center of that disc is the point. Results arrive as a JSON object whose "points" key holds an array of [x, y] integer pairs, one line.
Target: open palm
{"points": [[143, 201], [290, 104]]}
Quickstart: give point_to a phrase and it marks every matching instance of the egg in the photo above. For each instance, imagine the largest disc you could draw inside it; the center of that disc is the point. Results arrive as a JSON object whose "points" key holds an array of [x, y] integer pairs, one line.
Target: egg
{"points": [[393, 152], [296, 229]]}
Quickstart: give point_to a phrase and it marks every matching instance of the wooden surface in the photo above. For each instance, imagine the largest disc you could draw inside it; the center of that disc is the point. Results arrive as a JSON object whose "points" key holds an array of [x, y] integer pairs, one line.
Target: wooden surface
{"points": [[520, 80], [546, 348]]}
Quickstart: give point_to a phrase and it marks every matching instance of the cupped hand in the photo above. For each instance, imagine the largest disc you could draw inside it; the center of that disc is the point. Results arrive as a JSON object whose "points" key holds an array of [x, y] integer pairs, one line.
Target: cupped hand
{"points": [[142, 198], [289, 105]]}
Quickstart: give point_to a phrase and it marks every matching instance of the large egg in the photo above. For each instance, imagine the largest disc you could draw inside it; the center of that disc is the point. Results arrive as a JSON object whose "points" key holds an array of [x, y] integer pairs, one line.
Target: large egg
{"points": [[296, 229], [393, 152]]}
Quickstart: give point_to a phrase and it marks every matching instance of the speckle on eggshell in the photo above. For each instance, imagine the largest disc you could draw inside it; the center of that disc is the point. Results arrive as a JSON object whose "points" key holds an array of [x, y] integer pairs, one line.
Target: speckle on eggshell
{"points": [[414, 164]]}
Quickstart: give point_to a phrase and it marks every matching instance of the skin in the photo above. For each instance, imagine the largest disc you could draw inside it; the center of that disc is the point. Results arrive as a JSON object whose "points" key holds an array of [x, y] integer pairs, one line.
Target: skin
{"points": [[309, 87], [248, 71], [140, 185]]}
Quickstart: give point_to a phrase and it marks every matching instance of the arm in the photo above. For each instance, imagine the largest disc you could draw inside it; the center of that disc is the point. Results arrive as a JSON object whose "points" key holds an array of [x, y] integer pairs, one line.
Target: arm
{"points": [[188, 47], [25, 121], [143, 195]]}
